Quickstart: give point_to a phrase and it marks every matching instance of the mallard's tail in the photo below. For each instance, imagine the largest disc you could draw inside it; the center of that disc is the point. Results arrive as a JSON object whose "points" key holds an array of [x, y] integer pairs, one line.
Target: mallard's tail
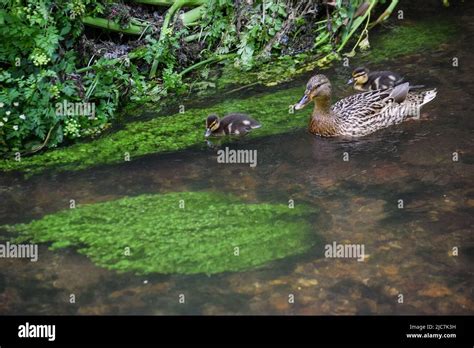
{"points": [[428, 96]]}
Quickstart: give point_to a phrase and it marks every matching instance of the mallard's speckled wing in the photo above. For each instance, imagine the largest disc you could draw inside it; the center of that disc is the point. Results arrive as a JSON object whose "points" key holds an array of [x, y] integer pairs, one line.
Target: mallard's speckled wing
{"points": [[364, 113], [362, 106]]}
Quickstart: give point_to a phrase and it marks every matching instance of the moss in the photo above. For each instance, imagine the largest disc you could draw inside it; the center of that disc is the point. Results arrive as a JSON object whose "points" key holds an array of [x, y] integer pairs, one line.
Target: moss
{"points": [[164, 238], [277, 71], [168, 133], [411, 37]]}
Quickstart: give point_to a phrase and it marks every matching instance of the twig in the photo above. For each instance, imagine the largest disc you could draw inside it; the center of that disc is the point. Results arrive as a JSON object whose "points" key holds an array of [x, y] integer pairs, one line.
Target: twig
{"points": [[207, 61], [165, 27], [242, 87], [364, 32], [131, 55], [356, 26], [385, 13], [40, 147]]}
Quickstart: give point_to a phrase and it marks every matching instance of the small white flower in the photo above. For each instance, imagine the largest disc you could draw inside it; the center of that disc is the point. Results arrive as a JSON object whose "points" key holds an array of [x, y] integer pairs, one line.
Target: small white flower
{"points": [[15, 127], [16, 104], [1, 105], [5, 119], [8, 113], [1, 124], [23, 117]]}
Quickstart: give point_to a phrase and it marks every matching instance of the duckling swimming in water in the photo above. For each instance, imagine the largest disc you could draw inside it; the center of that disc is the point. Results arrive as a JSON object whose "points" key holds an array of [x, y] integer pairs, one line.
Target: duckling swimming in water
{"points": [[363, 113], [365, 80], [232, 124]]}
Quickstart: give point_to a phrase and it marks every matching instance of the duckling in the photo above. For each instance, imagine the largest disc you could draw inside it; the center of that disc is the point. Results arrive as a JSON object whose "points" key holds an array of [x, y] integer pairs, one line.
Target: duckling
{"points": [[232, 124], [364, 80], [363, 113]]}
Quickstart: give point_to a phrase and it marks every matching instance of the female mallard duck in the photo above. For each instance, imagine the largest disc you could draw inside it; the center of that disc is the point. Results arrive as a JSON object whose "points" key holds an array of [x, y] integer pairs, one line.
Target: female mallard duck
{"points": [[232, 124], [364, 80], [360, 114]]}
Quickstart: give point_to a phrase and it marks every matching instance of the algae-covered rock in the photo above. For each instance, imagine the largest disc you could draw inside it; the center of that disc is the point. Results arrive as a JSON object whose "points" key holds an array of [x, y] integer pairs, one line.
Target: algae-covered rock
{"points": [[201, 236]]}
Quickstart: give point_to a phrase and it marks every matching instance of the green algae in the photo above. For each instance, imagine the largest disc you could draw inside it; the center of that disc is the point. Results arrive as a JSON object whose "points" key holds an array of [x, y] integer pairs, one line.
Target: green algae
{"points": [[412, 37], [164, 238], [281, 69], [167, 133]]}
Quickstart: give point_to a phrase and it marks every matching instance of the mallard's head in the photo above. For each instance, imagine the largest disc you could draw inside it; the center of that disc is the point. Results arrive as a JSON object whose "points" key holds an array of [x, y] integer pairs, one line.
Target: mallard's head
{"points": [[317, 87], [212, 124], [359, 76]]}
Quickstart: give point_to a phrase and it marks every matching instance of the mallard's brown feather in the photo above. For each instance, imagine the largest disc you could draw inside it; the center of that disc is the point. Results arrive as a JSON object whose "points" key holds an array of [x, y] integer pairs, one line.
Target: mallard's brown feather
{"points": [[364, 113]]}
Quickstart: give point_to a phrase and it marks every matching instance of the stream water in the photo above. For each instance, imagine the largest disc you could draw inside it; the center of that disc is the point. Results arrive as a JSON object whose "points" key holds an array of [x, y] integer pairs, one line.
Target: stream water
{"points": [[410, 251]]}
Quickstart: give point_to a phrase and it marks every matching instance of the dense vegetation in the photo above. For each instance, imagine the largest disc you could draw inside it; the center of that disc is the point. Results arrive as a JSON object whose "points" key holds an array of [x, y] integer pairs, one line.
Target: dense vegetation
{"points": [[106, 52]]}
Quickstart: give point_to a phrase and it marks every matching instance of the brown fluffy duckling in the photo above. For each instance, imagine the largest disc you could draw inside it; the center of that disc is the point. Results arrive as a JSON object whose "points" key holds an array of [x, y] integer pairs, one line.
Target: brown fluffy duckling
{"points": [[232, 124], [365, 80]]}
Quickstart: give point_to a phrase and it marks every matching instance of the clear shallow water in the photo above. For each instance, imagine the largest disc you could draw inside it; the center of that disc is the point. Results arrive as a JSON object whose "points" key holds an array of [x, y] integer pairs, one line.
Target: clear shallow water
{"points": [[408, 249]]}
